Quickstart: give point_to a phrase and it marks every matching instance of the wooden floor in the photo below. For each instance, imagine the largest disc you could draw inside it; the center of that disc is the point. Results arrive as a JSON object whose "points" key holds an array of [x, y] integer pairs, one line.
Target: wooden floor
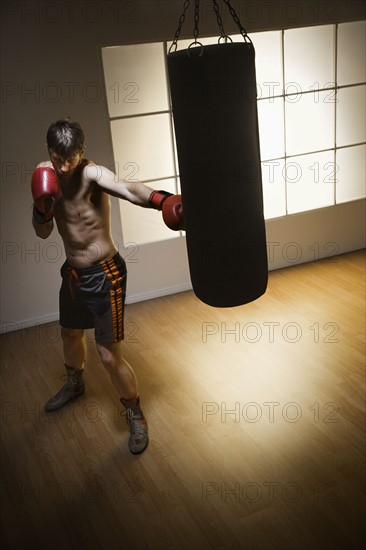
{"points": [[256, 418]]}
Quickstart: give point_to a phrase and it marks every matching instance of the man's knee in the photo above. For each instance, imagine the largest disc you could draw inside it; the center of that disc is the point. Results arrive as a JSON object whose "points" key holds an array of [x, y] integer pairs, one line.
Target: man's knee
{"points": [[110, 355]]}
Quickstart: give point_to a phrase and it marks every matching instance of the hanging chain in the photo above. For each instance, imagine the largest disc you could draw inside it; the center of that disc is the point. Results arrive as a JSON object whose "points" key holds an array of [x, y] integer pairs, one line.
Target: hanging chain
{"points": [[196, 19], [237, 21], [180, 23], [219, 20]]}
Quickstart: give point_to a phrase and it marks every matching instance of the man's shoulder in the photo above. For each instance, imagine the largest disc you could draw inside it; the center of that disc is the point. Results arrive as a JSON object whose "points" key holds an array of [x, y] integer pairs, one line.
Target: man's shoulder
{"points": [[44, 164], [91, 175], [89, 169], [93, 172]]}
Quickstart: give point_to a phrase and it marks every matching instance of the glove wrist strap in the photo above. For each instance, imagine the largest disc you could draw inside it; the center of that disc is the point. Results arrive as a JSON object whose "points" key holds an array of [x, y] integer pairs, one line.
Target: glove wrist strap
{"points": [[157, 198], [38, 216]]}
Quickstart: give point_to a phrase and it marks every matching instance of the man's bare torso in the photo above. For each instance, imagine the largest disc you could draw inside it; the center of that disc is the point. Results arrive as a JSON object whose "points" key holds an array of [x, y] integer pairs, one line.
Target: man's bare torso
{"points": [[82, 215]]}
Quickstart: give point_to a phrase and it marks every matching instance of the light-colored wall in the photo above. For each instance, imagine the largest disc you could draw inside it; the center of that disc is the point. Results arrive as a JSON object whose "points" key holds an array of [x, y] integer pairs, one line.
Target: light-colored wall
{"points": [[51, 68]]}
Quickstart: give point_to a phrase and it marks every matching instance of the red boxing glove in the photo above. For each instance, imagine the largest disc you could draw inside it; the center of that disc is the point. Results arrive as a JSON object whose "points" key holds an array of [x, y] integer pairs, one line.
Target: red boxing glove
{"points": [[157, 199], [45, 188], [173, 212]]}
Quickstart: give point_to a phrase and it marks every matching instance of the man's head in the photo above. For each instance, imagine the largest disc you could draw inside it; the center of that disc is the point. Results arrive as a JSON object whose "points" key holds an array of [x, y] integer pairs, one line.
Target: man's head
{"points": [[66, 146]]}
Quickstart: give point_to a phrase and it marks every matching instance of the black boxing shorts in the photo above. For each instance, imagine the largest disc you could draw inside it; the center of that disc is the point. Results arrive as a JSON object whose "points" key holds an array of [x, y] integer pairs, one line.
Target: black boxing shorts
{"points": [[94, 297]]}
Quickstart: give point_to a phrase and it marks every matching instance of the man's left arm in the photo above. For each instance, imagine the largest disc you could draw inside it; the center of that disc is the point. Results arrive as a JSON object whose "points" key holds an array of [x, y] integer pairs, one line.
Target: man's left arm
{"points": [[132, 191], [141, 195]]}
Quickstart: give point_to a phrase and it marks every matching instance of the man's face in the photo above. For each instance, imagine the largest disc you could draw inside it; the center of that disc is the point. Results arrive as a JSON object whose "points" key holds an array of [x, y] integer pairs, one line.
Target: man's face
{"points": [[65, 167]]}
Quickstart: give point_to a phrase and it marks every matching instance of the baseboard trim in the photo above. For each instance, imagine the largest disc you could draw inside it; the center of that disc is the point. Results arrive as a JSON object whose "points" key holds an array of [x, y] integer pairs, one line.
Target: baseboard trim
{"points": [[52, 317], [28, 323], [157, 293]]}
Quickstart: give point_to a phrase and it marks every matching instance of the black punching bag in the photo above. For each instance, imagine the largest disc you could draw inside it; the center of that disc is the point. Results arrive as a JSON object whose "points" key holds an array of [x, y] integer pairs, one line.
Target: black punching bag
{"points": [[213, 93]]}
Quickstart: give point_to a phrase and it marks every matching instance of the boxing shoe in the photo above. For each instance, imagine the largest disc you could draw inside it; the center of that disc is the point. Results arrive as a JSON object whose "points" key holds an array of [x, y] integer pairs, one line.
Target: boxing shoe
{"points": [[73, 388], [139, 438]]}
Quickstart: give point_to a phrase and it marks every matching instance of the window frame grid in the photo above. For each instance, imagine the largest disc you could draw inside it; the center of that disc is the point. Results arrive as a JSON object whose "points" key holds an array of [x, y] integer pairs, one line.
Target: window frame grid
{"points": [[286, 157]]}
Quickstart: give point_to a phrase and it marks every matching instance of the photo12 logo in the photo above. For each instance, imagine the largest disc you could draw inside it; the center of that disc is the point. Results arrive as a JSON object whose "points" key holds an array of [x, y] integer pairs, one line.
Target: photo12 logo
{"points": [[269, 492], [253, 332], [270, 411]]}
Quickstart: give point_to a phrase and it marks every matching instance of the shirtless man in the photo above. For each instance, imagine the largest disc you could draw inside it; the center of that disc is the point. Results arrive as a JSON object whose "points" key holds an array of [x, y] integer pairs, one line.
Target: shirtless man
{"points": [[74, 192]]}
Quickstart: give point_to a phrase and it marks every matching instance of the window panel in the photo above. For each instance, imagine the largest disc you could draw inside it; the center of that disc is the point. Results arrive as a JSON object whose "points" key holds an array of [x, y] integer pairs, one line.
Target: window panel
{"points": [[268, 56], [274, 188], [309, 57], [135, 79], [309, 122], [271, 128], [310, 182], [145, 225], [351, 163], [146, 143], [351, 53], [351, 115]]}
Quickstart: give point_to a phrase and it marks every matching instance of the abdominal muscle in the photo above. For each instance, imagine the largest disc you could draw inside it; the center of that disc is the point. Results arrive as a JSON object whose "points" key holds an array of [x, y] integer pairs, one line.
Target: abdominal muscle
{"points": [[86, 254], [84, 225]]}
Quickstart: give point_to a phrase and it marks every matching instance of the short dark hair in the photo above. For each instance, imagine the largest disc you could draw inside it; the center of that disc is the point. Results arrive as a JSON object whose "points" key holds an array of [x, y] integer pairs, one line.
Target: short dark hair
{"points": [[66, 138]]}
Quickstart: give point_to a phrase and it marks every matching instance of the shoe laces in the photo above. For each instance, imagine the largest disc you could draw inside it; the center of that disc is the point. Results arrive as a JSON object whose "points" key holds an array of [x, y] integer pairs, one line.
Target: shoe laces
{"points": [[136, 423]]}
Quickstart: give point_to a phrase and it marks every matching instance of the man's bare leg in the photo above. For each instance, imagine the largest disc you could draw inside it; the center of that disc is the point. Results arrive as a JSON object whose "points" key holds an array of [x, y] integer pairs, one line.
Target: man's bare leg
{"points": [[74, 347], [121, 373], [124, 380], [75, 354]]}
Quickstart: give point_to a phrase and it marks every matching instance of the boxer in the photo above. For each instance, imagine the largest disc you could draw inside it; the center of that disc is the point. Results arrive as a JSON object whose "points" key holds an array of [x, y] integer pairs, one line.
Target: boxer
{"points": [[74, 193]]}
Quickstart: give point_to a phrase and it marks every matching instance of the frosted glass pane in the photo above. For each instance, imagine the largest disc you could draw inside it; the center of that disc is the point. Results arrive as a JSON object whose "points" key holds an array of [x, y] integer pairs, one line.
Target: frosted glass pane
{"points": [[310, 182], [135, 79], [351, 115], [309, 58], [351, 163], [271, 128], [145, 225], [351, 53], [274, 188], [144, 142], [309, 122], [268, 63]]}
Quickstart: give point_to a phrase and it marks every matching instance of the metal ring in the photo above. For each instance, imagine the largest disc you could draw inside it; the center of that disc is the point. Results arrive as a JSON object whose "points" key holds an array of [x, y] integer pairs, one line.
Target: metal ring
{"points": [[225, 37], [193, 44], [173, 44]]}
